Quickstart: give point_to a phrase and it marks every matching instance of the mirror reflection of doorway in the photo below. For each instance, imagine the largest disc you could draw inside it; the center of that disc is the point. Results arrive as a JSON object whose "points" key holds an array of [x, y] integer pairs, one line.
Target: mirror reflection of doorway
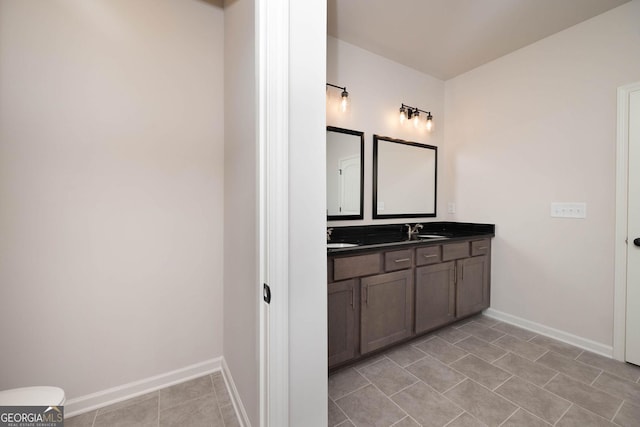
{"points": [[349, 169]]}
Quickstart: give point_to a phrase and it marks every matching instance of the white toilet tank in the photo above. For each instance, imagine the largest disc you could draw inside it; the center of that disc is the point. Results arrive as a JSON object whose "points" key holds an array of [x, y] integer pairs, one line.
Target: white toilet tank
{"points": [[32, 396]]}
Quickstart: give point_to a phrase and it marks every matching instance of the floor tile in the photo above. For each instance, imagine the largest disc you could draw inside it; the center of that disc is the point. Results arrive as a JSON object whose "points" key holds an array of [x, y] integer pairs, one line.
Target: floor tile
{"points": [[518, 346], [466, 420], [583, 395], [368, 407], [523, 418], [487, 321], [435, 373], [480, 371], [82, 420], [346, 424], [515, 331], [336, 416], [441, 350], [628, 416], [539, 402], [388, 376], [481, 348], [229, 416], [578, 417], [452, 335], [482, 332], [345, 382], [618, 387], [405, 355], [183, 392], [406, 422], [427, 407], [129, 402], [615, 367], [220, 387], [569, 367], [200, 412], [557, 346], [482, 403], [526, 369], [141, 414]]}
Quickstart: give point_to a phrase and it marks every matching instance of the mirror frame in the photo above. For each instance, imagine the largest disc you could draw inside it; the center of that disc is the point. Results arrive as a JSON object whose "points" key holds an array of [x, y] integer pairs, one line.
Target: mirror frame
{"points": [[375, 213], [361, 135]]}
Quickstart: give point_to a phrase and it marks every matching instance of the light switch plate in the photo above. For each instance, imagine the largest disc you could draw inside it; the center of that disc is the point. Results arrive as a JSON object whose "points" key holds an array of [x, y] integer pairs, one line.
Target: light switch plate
{"points": [[451, 207], [569, 210]]}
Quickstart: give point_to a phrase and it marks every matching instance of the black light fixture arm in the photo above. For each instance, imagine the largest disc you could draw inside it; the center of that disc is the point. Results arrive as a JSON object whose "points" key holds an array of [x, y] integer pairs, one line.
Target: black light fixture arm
{"points": [[411, 110], [337, 87]]}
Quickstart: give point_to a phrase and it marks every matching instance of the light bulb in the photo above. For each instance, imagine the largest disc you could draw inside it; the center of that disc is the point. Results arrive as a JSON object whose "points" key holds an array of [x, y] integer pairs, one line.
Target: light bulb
{"points": [[403, 115], [416, 118], [344, 102], [429, 123]]}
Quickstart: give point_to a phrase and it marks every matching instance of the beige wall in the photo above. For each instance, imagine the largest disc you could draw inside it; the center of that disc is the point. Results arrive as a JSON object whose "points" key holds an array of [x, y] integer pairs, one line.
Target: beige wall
{"points": [[539, 126], [111, 190], [377, 87], [241, 281]]}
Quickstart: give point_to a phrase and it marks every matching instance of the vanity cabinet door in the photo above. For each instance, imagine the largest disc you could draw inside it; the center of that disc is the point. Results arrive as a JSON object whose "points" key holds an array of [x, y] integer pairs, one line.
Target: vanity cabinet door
{"points": [[473, 285], [435, 296], [342, 314], [386, 309]]}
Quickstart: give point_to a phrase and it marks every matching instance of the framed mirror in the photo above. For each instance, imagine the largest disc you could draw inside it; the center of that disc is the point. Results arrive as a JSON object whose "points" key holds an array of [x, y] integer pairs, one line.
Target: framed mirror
{"points": [[345, 174], [404, 178]]}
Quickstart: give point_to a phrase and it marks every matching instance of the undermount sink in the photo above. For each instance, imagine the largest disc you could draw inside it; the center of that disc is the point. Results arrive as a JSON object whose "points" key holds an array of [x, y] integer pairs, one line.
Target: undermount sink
{"points": [[431, 236], [336, 245]]}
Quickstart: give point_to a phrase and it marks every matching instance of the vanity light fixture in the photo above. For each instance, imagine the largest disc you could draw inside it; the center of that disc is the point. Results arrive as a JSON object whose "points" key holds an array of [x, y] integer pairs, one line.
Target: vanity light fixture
{"points": [[413, 114], [344, 97]]}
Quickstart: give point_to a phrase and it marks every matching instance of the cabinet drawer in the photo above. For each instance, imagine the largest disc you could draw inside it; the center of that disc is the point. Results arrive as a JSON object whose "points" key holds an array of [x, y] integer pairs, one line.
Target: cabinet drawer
{"points": [[480, 247], [356, 266], [398, 260], [455, 251], [428, 255]]}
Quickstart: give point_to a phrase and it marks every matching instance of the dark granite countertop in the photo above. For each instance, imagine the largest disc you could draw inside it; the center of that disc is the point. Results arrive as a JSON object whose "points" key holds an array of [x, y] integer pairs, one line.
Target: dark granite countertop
{"points": [[391, 236]]}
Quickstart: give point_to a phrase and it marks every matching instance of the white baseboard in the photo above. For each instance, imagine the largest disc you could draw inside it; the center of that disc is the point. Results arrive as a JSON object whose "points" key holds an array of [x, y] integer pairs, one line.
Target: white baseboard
{"points": [[80, 405], [584, 343], [241, 412]]}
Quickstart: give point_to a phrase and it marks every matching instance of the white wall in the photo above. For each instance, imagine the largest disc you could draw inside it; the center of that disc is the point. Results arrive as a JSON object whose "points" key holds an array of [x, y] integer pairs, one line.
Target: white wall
{"points": [[111, 190], [539, 126], [241, 261], [377, 87]]}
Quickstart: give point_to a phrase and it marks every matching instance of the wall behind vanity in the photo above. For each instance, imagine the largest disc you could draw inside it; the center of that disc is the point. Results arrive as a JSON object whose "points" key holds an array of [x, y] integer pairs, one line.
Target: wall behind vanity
{"points": [[377, 86]]}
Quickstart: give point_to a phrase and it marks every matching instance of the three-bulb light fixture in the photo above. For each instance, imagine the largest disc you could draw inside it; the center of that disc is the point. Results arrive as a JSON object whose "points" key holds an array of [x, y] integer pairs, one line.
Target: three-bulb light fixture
{"points": [[344, 97], [413, 114]]}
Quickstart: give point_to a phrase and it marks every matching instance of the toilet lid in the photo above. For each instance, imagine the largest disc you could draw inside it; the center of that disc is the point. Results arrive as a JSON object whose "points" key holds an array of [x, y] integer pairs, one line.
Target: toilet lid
{"points": [[32, 396]]}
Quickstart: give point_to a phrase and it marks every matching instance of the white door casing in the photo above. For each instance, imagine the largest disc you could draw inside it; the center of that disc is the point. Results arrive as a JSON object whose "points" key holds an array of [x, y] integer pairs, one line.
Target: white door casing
{"points": [[632, 341], [626, 341], [272, 21]]}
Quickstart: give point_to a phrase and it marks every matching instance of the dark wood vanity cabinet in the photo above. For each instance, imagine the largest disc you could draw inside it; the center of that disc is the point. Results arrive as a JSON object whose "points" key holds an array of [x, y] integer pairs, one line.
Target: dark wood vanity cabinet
{"points": [[435, 296], [342, 301], [382, 297], [386, 308]]}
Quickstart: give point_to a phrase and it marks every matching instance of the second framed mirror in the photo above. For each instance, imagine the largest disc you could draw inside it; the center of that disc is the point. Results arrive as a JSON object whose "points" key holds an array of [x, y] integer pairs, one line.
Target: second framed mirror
{"points": [[404, 178]]}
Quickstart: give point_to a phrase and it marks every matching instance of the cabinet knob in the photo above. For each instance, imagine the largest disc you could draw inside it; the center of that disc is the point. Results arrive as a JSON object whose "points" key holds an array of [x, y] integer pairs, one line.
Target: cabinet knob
{"points": [[636, 241]]}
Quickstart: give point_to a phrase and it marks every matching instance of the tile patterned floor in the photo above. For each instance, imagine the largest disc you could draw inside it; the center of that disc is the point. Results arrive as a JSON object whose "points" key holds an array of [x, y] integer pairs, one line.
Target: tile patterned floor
{"points": [[202, 402], [482, 372]]}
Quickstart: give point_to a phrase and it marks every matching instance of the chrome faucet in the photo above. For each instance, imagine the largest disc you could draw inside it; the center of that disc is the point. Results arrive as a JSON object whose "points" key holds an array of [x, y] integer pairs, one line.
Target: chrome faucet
{"points": [[412, 230], [329, 231]]}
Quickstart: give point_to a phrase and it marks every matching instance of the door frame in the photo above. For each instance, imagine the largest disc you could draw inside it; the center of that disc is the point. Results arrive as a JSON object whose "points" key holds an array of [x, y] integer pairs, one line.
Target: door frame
{"points": [[621, 229], [272, 81]]}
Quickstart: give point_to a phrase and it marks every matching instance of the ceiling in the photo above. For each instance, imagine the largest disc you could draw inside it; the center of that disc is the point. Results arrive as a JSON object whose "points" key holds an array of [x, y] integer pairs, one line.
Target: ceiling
{"points": [[445, 38]]}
